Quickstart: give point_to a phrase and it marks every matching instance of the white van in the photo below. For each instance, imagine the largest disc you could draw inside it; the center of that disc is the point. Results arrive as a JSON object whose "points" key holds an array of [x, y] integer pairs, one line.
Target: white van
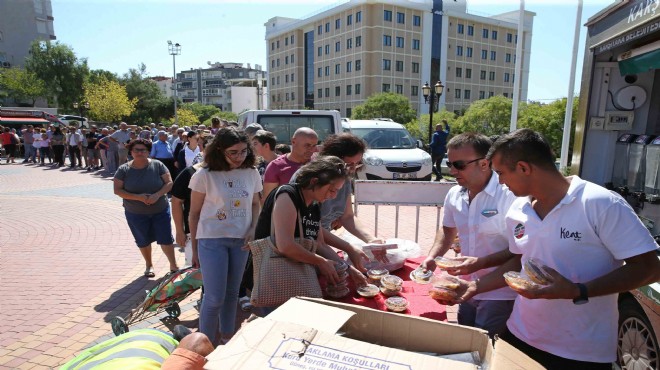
{"points": [[392, 154], [283, 123]]}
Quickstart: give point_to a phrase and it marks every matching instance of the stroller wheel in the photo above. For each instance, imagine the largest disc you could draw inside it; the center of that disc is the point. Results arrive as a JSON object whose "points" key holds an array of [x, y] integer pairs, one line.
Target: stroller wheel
{"points": [[119, 326], [173, 310]]}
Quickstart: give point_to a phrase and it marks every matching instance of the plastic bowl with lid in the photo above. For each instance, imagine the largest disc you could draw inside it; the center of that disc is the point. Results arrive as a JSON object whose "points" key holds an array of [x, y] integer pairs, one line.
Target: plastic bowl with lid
{"points": [[445, 263], [391, 282], [421, 275], [396, 304], [445, 280], [390, 292], [339, 292], [442, 293], [536, 273], [368, 291], [517, 281]]}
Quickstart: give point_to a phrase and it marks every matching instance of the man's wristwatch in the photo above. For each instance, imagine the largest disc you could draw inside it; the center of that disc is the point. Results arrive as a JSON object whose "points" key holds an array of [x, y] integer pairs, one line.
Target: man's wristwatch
{"points": [[583, 297]]}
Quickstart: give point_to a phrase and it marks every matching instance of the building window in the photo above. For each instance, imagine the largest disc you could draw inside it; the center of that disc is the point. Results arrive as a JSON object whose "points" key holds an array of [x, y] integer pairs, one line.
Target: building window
{"points": [[273, 97], [358, 17], [399, 42], [291, 40], [349, 66], [387, 40], [327, 70], [514, 58], [292, 76], [286, 96], [399, 89], [460, 28], [415, 44], [278, 80], [320, 51], [400, 18], [470, 30], [386, 87], [466, 94], [272, 80], [349, 89], [469, 52], [493, 55], [387, 15], [358, 65], [349, 19], [349, 111], [482, 94], [484, 54], [414, 90], [459, 72], [358, 41], [457, 93], [387, 64], [415, 67], [349, 43], [272, 63], [507, 77], [337, 23], [509, 37], [327, 92], [277, 45], [506, 95], [493, 35], [319, 30], [337, 90], [357, 89], [337, 68], [293, 96], [286, 41], [459, 51], [417, 20], [292, 58], [468, 72], [286, 59], [337, 46], [516, 41], [278, 62], [286, 79], [508, 58], [399, 65], [484, 33], [482, 75], [320, 72], [491, 94], [272, 46], [491, 76], [327, 27], [327, 49]]}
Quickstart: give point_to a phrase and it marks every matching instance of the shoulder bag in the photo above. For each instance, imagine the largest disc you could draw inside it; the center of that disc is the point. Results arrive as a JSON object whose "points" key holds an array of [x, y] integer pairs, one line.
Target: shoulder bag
{"points": [[277, 277]]}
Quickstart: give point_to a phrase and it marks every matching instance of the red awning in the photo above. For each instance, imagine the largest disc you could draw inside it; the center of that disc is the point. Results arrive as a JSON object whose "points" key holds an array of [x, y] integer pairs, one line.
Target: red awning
{"points": [[23, 121]]}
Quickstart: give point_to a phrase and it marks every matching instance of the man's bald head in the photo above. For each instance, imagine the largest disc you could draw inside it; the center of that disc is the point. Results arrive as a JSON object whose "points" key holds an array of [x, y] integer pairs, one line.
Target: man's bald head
{"points": [[305, 132], [303, 145]]}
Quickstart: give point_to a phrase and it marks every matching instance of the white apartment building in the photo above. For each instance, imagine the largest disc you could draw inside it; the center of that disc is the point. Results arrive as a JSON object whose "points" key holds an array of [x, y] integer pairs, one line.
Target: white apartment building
{"points": [[339, 57], [165, 85]]}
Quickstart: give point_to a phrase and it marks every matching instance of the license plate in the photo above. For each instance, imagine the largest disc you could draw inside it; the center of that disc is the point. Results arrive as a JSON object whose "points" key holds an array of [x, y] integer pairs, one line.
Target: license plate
{"points": [[411, 175]]}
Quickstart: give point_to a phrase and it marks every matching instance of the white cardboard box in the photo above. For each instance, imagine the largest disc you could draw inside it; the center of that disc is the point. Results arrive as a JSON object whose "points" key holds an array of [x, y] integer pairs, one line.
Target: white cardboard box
{"points": [[302, 334]]}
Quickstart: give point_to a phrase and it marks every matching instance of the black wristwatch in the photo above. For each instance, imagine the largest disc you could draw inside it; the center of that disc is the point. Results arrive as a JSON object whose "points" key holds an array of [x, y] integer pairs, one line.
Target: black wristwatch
{"points": [[583, 297]]}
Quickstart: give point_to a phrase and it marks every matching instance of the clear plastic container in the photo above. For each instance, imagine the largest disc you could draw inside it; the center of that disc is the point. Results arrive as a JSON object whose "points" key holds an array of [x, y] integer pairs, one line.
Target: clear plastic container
{"points": [[391, 282], [421, 275], [390, 292], [517, 281], [446, 281], [375, 275], [442, 293], [338, 293], [536, 273], [396, 304], [368, 291], [444, 262]]}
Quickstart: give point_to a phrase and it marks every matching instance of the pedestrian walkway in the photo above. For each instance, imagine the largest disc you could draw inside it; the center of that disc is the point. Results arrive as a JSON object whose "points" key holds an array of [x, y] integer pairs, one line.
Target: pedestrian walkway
{"points": [[69, 264]]}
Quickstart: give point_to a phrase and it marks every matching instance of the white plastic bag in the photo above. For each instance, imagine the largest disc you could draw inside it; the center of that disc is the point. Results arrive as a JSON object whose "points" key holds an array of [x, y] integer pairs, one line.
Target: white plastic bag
{"points": [[396, 257]]}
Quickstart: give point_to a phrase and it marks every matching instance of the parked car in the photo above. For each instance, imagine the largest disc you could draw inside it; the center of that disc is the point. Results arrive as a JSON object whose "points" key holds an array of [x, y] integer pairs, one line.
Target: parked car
{"points": [[67, 119], [639, 326], [392, 154]]}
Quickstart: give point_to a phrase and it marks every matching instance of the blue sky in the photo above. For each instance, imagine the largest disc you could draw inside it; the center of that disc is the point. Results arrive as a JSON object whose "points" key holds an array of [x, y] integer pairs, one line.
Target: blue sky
{"points": [[120, 34]]}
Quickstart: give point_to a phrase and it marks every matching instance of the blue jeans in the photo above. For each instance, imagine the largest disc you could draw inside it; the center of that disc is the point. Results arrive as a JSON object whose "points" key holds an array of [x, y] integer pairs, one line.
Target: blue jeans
{"points": [[222, 261], [485, 314], [30, 152]]}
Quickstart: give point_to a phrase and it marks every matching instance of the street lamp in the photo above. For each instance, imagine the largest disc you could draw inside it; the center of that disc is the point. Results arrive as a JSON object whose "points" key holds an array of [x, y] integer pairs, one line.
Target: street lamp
{"points": [[81, 108], [430, 98], [174, 50]]}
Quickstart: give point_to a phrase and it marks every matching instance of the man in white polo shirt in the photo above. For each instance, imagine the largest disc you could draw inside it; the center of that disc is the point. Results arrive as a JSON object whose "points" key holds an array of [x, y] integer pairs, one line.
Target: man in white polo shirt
{"points": [[474, 210], [583, 233]]}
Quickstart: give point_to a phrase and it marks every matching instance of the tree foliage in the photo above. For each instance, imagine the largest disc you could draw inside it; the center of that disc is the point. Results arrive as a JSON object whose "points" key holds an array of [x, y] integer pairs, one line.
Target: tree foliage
{"points": [[60, 70], [108, 101], [151, 104], [490, 116], [226, 115], [203, 112], [22, 85], [385, 105], [96, 75], [186, 117]]}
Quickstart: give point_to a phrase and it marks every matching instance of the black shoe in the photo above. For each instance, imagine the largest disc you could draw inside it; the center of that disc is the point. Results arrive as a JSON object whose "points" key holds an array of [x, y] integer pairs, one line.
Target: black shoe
{"points": [[179, 332]]}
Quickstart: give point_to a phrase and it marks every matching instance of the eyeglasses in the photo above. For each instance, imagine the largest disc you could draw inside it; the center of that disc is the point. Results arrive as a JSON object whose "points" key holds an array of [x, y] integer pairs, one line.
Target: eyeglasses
{"points": [[353, 166], [460, 165], [140, 150], [237, 153]]}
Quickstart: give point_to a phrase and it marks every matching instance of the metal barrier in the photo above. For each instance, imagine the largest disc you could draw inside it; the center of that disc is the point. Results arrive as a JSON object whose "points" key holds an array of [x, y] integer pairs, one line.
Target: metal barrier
{"points": [[401, 193]]}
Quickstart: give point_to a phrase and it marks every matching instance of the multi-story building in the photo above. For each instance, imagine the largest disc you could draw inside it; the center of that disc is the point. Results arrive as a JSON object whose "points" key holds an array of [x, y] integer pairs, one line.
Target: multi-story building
{"points": [[228, 86], [21, 23], [165, 85], [339, 57]]}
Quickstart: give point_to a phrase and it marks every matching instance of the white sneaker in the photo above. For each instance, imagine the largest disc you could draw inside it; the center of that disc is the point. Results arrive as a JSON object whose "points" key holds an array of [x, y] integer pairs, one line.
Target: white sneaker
{"points": [[245, 303]]}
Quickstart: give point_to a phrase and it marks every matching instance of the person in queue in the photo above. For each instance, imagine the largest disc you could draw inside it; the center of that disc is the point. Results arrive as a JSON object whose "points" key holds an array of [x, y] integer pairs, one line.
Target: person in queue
{"points": [[224, 207], [143, 184], [121, 137], [191, 148], [474, 210], [280, 170], [162, 151], [264, 143], [590, 243], [9, 143], [315, 183]]}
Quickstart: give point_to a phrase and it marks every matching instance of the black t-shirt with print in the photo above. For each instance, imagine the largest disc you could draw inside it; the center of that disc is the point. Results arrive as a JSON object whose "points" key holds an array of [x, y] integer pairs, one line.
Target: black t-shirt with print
{"points": [[311, 216]]}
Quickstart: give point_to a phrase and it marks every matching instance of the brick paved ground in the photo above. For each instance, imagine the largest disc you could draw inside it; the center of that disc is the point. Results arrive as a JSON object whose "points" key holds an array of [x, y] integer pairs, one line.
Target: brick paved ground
{"points": [[69, 263]]}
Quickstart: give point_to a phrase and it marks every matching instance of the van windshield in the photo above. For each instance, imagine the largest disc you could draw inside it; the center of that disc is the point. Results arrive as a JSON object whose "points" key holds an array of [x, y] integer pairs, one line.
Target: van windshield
{"points": [[283, 126], [384, 138]]}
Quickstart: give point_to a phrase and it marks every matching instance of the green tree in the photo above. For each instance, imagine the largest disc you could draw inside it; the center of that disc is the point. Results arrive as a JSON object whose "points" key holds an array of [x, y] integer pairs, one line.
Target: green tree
{"points": [[226, 115], [60, 70], [548, 119], [149, 97], [22, 85], [490, 116], [203, 112], [385, 105], [419, 127], [108, 101], [96, 75], [186, 117]]}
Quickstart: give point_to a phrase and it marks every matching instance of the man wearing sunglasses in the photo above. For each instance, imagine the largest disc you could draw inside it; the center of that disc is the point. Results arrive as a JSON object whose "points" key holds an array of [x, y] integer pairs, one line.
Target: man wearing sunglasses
{"points": [[474, 211]]}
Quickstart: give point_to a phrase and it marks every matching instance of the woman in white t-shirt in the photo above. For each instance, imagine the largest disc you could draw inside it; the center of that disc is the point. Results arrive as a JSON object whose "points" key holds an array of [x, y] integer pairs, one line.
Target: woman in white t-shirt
{"points": [[224, 208]]}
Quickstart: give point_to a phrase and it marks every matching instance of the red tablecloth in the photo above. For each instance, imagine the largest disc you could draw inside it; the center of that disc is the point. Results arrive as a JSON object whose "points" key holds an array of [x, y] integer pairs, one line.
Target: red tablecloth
{"points": [[419, 301]]}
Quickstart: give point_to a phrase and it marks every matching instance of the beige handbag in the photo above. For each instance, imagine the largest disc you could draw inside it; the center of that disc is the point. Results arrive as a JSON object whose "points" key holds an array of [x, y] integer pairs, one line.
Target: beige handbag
{"points": [[278, 278]]}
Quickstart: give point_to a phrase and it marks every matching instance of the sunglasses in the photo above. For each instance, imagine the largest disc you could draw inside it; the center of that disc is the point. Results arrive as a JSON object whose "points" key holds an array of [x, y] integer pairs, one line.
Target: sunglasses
{"points": [[460, 165]]}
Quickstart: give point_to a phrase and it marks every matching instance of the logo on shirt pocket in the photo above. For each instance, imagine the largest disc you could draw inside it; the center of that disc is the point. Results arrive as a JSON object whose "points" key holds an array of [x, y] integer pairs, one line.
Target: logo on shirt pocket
{"points": [[519, 231]]}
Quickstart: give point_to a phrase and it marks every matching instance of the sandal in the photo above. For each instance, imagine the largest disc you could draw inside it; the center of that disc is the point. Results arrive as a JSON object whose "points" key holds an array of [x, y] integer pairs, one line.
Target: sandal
{"points": [[245, 303], [149, 272]]}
